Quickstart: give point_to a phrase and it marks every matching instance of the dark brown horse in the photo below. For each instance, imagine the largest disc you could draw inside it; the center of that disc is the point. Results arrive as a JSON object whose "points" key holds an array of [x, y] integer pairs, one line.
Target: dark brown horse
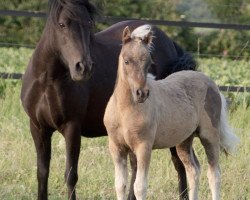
{"points": [[61, 92]]}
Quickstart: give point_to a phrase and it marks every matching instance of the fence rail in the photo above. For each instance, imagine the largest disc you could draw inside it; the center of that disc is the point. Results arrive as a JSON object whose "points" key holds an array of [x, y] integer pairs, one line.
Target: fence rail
{"points": [[109, 19], [18, 76]]}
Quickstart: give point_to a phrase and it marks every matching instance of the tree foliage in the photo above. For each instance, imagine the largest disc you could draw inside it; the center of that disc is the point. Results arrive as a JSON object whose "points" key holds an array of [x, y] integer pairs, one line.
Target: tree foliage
{"points": [[28, 30], [21, 30]]}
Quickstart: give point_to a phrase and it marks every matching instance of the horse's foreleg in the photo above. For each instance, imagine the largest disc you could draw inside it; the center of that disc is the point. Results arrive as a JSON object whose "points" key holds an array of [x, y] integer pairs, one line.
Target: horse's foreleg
{"points": [[179, 167], [143, 155], [133, 163], [42, 140], [72, 134]]}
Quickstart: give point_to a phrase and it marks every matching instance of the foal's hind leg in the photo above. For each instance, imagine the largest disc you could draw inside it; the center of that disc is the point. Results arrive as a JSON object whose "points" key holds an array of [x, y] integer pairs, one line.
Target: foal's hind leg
{"points": [[210, 141], [187, 156], [179, 167]]}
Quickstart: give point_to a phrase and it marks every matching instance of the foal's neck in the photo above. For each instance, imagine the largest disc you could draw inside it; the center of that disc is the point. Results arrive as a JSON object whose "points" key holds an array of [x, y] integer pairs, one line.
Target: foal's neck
{"points": [[122, 92]]}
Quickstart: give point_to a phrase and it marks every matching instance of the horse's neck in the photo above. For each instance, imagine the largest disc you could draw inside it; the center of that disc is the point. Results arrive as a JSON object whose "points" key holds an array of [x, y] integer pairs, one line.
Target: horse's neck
{"points": [[45, 60]]}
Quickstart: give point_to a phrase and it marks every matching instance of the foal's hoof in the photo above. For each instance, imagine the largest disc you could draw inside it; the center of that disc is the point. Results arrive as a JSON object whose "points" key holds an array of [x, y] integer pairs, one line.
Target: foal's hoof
{"points": [[131, 197]]}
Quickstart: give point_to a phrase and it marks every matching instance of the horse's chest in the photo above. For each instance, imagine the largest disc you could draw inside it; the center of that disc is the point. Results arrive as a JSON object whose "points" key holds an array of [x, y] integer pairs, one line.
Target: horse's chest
{"points": [[47, 106], [52, 110], [49, 109]]}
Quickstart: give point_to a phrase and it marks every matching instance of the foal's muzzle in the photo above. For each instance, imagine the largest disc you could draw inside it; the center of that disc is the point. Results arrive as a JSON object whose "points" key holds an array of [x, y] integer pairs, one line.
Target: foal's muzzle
{"points": [[141, 95]]}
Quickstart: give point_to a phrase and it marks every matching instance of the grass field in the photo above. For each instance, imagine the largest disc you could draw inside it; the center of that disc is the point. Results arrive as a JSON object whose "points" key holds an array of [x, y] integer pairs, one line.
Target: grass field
{"points": [[96, 172]]}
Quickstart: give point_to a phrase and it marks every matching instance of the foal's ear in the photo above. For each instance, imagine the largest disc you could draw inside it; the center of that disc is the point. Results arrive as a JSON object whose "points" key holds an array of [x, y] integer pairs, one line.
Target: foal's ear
{"points": [[148, 38], [126, 36]]}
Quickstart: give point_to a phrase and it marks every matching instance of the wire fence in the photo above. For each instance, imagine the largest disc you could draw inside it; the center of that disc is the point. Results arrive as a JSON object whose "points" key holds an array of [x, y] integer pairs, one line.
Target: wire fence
{"points": [[18, 76], [112, 20]]}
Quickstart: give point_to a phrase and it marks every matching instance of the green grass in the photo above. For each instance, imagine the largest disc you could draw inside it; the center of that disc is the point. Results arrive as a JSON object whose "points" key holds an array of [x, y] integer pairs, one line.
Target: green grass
{"points": [[14, 59], [96, 171], [227, 72]]}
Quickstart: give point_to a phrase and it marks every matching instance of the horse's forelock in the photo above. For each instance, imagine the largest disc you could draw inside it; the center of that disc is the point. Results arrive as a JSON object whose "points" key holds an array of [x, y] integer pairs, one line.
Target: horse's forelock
{"points": [[72, 9]]}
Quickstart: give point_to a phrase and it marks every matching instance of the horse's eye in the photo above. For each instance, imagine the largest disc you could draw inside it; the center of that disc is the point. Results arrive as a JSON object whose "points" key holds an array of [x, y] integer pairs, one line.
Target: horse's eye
{"points": [[62, 25], [90, 23]]}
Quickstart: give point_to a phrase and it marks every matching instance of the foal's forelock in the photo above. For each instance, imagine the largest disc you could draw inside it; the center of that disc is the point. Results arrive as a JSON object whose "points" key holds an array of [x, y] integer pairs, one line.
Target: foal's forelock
{"points": [[143, 32]]}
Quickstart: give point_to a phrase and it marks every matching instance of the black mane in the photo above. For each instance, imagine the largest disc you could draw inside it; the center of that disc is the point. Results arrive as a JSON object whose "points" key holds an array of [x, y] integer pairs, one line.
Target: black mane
{"points": [[71, 7]]}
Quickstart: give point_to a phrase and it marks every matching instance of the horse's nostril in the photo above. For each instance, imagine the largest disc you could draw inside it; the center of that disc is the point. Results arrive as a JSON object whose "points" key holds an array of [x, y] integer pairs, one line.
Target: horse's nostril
{"points": [[147, 93], [79, 67]]}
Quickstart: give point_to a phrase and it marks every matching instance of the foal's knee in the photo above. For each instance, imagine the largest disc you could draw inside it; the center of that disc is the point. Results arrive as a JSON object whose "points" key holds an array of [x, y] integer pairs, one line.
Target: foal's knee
{"points": [[140, 189], [120, 188]]}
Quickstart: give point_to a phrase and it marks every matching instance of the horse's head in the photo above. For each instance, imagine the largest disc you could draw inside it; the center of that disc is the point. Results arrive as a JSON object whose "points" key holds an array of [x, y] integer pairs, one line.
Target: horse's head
{"points": [[70, 27], [135, 60]]}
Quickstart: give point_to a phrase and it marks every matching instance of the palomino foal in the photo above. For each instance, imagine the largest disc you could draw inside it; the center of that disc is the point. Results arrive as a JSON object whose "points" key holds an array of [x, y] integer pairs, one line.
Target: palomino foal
{"points": [[184, 105]]}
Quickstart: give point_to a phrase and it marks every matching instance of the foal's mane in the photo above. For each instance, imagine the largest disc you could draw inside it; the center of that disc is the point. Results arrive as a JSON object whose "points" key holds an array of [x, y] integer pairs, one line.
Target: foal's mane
{"points": [[71, 7]]}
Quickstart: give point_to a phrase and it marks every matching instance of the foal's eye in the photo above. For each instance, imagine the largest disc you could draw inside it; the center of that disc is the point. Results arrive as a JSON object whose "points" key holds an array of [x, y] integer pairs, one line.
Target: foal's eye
{"points": [[62, 25], [126, 62]]}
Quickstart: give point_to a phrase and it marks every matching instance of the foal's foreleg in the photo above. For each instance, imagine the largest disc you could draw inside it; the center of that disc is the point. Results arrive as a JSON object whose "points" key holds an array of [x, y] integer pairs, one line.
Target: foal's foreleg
{"points": [[119, 157], [72, 135], [133, 163], [42, 140], [143, 155], [186, 154]]}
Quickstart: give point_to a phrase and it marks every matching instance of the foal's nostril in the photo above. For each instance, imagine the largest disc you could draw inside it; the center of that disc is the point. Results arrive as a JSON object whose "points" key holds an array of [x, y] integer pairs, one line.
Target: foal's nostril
{"points": [[79, 67], [147, 93], [139, 93]]}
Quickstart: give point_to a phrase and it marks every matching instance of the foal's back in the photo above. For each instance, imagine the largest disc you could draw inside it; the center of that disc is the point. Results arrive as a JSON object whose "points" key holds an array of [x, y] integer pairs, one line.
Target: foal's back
{"points": [[183, 100]]}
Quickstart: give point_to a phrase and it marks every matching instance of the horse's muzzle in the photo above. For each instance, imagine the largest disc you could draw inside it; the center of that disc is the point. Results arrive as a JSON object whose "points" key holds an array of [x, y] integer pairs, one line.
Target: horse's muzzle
{"points": [[82, 72]]}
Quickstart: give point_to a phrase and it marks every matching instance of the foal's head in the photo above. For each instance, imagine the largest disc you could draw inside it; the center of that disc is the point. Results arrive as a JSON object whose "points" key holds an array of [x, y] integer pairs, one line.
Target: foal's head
{"points": [[135, 60], [69, 29]]}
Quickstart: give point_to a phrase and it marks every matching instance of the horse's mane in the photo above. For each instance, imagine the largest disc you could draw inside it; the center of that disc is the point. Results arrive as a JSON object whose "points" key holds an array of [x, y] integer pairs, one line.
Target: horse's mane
{"points": [[71, 7]]}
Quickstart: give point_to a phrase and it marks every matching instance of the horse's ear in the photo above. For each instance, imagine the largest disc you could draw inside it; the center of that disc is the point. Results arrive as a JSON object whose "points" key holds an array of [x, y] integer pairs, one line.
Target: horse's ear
{"points": [[126, 36]]}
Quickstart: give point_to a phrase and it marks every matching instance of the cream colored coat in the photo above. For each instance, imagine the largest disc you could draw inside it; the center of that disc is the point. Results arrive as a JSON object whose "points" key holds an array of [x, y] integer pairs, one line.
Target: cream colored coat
{"points": [[172, 112]]}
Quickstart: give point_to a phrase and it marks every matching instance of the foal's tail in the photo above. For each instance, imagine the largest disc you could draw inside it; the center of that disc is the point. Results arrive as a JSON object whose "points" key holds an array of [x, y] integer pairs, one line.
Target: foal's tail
{"points": [[228, 140]]}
